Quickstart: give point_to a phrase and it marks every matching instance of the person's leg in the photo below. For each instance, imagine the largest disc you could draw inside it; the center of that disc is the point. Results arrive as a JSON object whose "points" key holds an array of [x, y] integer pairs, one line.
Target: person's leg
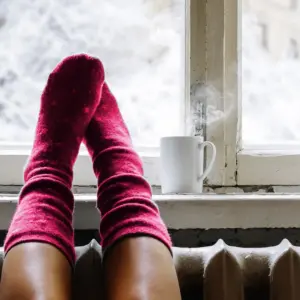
{"points": [[141, 268], [137, 261], [39, 245], [35, 271]]}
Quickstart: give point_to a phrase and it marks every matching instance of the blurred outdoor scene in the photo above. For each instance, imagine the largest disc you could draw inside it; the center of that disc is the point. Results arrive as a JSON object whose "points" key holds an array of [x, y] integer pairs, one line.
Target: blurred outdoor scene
{"points": [[271, 72], [141, 43]]}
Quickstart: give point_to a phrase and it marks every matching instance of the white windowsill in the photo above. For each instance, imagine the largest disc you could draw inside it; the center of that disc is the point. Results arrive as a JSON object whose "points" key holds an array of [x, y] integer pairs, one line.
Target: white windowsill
{"points": [[194, 211], [13, 158]]}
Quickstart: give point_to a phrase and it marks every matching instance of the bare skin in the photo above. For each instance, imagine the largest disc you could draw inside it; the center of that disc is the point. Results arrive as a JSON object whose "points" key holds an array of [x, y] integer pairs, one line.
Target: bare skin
{"points": [[35, 271], [141, 268]]}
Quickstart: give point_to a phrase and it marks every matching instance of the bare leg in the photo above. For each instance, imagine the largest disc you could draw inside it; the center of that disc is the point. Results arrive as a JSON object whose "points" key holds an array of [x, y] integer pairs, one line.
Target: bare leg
{"points": [[35, 271], [141, 268]]}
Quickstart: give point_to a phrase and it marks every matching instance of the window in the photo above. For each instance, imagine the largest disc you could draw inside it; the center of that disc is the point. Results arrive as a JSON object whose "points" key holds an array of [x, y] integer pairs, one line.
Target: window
{"points": [[144, 58], [270, 98], [207, 60]]}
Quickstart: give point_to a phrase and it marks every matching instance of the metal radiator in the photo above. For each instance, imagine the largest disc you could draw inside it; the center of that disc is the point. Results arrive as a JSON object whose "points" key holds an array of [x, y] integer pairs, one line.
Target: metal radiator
{"points": [[219, 272]]}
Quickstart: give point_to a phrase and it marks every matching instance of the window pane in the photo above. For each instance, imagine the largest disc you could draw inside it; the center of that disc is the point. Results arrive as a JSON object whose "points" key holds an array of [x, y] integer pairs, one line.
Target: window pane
{"points": [[141, 43], [271, 72]]}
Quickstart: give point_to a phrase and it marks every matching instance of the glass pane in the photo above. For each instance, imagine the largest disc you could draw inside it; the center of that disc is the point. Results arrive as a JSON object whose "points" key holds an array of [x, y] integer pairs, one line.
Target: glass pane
{"points": [[141, 43], [271, 72]]}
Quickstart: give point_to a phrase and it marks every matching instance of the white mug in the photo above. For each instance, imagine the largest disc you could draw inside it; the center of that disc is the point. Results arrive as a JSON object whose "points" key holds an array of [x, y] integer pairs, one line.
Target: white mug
{"points": [[181, 164]]}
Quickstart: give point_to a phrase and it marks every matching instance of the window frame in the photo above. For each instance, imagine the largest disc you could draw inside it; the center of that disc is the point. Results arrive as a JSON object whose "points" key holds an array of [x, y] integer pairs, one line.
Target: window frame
{"points": [[235, 165], [260, 165], [213, 54], [13, 158]]}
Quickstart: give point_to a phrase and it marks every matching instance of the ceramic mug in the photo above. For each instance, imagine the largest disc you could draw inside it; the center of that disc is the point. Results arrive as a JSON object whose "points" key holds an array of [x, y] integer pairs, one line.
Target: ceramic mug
{"points": [[181, 164]]}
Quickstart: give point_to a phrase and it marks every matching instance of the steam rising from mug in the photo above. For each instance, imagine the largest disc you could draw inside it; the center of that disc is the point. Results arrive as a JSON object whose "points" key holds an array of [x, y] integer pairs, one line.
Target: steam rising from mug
{"points": [[207, 97]]}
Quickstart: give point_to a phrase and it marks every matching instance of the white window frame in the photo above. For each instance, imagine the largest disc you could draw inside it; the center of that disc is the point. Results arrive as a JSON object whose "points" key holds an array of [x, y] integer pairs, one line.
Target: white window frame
{"points": [[212, 57], [275, 165], [272, 165], [214, 61], [13, 158]]}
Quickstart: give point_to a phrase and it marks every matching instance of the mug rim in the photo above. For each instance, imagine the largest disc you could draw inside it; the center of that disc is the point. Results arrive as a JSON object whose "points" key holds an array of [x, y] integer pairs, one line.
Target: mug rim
{"points": [[200, 137]]}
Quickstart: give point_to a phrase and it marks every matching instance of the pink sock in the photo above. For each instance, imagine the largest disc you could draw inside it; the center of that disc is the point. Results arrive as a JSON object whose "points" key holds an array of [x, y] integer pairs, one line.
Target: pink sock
{"points": [[45, 208], [124, 196]]}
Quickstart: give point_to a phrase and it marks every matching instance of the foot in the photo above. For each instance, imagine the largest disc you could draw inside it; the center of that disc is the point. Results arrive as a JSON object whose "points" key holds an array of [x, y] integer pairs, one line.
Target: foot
{"points": [[68, 103]]}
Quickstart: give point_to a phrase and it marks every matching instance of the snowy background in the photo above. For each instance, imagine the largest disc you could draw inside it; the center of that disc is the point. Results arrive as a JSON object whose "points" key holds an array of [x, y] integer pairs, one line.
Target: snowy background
{"points": [[270, 77], [142, 48]]}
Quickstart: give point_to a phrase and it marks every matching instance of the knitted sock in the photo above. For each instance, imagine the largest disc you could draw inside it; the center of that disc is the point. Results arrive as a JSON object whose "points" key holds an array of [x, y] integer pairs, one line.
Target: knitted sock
{"points": [[124, 196], [45, 208]]}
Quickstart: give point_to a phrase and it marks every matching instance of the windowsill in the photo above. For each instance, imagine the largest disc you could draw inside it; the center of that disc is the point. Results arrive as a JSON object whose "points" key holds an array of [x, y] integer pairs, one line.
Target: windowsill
{"points": [[205, 211]]}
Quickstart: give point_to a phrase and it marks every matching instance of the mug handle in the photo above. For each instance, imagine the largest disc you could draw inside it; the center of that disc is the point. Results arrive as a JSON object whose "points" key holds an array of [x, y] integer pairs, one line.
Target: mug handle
{"points": [[201, 147]]}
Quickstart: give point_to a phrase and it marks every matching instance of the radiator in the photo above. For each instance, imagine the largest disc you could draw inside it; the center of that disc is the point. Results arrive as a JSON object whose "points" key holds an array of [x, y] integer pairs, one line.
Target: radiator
{"points": [[218, 272]]}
